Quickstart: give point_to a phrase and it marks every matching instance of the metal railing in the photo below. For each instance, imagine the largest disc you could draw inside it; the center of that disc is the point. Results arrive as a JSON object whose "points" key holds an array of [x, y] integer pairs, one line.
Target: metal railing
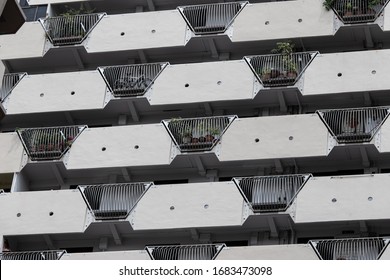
{"points": [[211, 18], [33, 255], [69, 30], [358, 11], [271, 193], [184, 252], [113, 201], [8, 83], [131, 80], [276, 70], [48, 143], [354, 125], [197, 134], [350, 249]]}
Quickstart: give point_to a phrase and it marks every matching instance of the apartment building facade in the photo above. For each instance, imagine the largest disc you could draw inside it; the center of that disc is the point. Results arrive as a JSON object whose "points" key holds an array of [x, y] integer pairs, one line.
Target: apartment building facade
{"points": [[196, 130]]}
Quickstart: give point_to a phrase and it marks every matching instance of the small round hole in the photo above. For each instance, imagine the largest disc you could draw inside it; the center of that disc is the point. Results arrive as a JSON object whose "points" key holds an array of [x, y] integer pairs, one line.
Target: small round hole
{"points": [[103, 149], [122, 33], [339, 74], [267, 22], [172, 208], [299, 20], [257, 140], [72, 93], [206, 206], [153, 31], [186, 85], [334, 199], [42, 95], [219, 82], [18, 215], [51, 214], [290, 138], [136, 147], [370, 198], [373, 72]]}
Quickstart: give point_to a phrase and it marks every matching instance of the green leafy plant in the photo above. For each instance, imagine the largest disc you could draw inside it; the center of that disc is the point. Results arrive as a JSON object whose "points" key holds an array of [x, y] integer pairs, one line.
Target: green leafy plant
{"points": [[328, 4], [74, 12]]}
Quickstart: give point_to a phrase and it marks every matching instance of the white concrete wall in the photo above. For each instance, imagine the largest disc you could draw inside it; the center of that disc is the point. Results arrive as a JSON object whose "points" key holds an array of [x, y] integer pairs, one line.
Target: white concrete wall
{"points": [[212, 81], [195, 206], [384, 133], [386, 254], [153, 141], [308, 132], [386, 18], [34, 209], [168, 26], [88, 87], [283, 21], [118, 255], [11, 152], [358, 198], [269, 252]]}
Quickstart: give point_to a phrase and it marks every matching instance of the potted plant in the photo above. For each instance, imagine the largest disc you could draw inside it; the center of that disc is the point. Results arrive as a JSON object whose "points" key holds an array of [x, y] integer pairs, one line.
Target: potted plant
{"points": [[288, 66], [213, 134], [186, 136], [265, 74]]}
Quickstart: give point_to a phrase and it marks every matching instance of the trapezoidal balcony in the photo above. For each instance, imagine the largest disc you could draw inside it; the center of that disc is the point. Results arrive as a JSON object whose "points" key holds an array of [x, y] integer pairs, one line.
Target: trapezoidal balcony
{"points": [[32, 255], [131, 80], [211, 19], [48, 143], [350, 249], [197, 134], [185, 252], [279, 70], [266, 194], [113, 201], [356, 11], [9, 82], [69, 29], [356, 125]]}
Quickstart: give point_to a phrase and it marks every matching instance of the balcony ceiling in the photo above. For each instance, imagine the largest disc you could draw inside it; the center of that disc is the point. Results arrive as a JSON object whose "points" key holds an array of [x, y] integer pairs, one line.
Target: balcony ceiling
{"points": [[11, 16]]}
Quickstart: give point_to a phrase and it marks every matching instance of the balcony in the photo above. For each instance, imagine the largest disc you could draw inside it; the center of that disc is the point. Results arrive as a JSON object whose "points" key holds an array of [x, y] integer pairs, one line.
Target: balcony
{"points": [[185, 252], [112, 201], [48, 143], [350, 249], [9, 82], [354, 125], [32, 256], [268, 194], [69, 30]]}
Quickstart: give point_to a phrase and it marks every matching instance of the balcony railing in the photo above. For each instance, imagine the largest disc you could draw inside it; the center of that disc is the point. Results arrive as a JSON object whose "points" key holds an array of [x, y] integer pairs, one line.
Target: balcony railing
{"points": [[350, 249], [69, 30], [49, 143], [276, 70], [113, 201], [358, 11], [197, 134], [354, 125], [211, 18], [33, 255], [185, 252], [9, 82], [131, 80], [271, 193]]}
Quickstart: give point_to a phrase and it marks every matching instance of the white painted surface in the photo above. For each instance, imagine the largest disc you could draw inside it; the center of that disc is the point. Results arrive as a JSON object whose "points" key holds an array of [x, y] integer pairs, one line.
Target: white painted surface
{"points": [[269, 252], [309, 138], [386, 18], [119, 255], [27, 42], [384, 133], [141, 31], [195, 205], [356, 69], [283, 21], [119, 143], [352, 194], [52, 93], [11, 152], [2, 5], [386, 254], [212, 81], [34, 209]]}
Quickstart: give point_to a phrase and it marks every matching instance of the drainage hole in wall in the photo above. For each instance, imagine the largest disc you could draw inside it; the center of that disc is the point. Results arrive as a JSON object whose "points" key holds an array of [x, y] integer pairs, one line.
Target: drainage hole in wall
{"points": [[51, 214], [42, 95], [186, 85], [219, 82], [339, 74], [72, 93], [122, 33], [153, 31], [206, 206], [373, 72], [290, 138], [370, 198], [103, 149], [136, 147], [300, 20], [172, 208], [334, 200], [257, 140], [18, 215], [267, 22]]}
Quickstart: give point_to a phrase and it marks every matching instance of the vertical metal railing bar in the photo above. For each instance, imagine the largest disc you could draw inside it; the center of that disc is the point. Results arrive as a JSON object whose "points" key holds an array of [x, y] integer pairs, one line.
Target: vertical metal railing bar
{"points": [[32, 255], [9, 82]]}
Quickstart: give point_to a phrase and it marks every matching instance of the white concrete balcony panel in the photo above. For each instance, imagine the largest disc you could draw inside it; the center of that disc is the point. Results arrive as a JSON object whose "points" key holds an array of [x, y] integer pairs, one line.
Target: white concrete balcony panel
{"points": [[28, 42], [11, 152], [291, 19], [114, 255], [386, 18], [269, 252], [136, 145], [57, 92], [189, 206], [140, 31], [278, 137], [347, 72], [347, 198], [385, 137], [42, 212], [204, 82]]}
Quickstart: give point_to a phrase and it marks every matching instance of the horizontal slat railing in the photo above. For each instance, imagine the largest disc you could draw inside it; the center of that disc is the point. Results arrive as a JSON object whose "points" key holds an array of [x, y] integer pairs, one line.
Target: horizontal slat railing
{"points": [[185, 252], [211, 18], [358, 11], [131, 80], [276, 70], [350, 249], [8, 83], [69, 30], [48, 143], [113, 201], [271, 193], [33, 255], [354, 125], [197, 134]]}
